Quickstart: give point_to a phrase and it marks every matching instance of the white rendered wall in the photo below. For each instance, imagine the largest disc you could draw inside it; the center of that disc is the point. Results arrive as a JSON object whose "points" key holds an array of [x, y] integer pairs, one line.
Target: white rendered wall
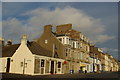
{"points": [[3, 64], [21, 54]]}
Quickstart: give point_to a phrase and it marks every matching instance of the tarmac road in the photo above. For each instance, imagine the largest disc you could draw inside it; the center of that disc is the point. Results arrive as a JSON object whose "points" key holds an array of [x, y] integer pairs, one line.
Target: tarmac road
{"points": [[110, 75]]}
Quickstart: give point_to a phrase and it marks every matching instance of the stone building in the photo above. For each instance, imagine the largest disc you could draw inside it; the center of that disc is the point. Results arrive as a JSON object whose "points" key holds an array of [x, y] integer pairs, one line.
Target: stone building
{"points": [[95, 54], [68, 44]]}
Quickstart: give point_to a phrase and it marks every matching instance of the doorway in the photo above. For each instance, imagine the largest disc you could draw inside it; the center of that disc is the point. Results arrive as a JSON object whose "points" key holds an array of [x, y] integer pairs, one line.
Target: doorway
{"points": [[52, 67], [97, 68], [42, 66], [8, 65]]}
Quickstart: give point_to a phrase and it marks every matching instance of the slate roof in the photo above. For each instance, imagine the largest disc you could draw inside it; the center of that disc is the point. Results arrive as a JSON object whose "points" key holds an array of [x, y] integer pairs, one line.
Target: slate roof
{"points": [[8, 51], [35, 48]]}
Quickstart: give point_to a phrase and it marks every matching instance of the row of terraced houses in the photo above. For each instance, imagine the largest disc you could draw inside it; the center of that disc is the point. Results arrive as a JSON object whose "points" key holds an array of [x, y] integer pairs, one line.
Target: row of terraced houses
{"points": [[56, 52]]}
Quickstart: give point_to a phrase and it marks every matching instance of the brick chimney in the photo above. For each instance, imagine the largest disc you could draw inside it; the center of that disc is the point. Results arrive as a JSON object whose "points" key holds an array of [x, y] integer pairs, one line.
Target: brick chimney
{"points": [[63, 28], [9, 42], [2, 42], [47, 28]]}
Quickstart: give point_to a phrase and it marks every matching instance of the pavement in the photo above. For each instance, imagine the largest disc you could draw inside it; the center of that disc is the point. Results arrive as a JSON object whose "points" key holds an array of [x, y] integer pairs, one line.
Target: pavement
{"points": [[107, 75]]}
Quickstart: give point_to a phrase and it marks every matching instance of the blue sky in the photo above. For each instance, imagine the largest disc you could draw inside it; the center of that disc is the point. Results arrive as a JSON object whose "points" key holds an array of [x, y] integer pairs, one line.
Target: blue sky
{"points": [[96, 20]]}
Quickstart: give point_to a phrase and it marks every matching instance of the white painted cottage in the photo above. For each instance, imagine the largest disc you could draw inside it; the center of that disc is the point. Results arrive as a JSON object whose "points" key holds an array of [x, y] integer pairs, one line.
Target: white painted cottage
{"points": [[29, 58]]}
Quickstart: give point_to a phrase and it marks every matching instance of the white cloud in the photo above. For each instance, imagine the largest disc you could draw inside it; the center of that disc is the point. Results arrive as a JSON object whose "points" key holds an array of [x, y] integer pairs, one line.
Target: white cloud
{"points": [[39, 17], [105, 49], [14, 29], [115, 50], [111, 51], [0, 28], [103, 38]]}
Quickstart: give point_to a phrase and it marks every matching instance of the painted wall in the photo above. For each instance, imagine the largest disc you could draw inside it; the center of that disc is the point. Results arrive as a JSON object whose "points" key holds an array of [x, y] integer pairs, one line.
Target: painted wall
{"points": [[22, 58], [3, 64]]}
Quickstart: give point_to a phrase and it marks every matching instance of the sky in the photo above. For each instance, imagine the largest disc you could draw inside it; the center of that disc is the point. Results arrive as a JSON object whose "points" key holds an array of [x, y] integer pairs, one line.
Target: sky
{"points": [[0, 11], [96, 20], [60, 0]]}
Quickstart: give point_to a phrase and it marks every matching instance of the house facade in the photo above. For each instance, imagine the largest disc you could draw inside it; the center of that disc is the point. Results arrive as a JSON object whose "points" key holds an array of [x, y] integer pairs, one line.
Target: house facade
{"points": [[68, 43], [95, 55]]}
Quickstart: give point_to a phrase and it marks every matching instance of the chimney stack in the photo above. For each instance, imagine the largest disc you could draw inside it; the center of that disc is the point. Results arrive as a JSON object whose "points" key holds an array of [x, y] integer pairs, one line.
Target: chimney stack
{"points": [[63, 28], [47, 28], [24, 39], [9, 42], [2, 42]]}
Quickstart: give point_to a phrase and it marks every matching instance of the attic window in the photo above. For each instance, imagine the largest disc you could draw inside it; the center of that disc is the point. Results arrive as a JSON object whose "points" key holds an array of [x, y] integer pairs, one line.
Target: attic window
{"points": [[46, 41]]}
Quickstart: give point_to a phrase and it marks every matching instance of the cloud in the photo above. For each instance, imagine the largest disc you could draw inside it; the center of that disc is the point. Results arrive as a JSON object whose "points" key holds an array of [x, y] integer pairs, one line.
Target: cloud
{"points": [[115, 50], [105, 49], [14, 29], [33, 26], [0, 11], [103, 38], [92, 27], [0, 28], [112, 51]]}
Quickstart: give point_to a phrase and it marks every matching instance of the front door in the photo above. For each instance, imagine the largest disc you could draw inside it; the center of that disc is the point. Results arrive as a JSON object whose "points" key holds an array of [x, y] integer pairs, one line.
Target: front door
{"points": [[52, 67], [8, 65], [42, 66], [97, 67]]}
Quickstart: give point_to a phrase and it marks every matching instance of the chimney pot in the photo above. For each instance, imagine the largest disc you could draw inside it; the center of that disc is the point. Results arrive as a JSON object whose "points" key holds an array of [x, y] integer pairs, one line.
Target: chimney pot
{"points": [[2, 42], [9, 42]]}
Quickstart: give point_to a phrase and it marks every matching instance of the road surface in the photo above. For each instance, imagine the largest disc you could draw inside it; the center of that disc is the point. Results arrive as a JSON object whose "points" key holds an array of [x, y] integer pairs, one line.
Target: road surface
{"points": [[109, 75]]}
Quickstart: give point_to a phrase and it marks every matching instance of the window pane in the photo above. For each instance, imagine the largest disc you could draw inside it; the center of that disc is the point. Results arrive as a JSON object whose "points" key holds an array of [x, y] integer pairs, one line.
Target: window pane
{"points": [[37, 66], [59, 64], [21, 64], [42, 63]]}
